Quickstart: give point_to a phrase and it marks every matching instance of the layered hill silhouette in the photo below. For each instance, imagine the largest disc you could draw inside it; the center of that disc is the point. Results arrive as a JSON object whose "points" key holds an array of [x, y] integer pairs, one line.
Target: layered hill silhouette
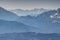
{"points": [[46, 22], [45, 26]]}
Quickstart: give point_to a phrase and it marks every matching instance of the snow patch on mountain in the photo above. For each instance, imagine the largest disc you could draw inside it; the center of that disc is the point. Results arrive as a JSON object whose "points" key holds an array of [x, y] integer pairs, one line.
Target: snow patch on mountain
{"points": [[33, 12]]}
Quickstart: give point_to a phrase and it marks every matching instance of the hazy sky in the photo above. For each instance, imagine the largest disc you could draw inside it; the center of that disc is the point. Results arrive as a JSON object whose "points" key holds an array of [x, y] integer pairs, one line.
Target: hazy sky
{"points": [[29, 4]]}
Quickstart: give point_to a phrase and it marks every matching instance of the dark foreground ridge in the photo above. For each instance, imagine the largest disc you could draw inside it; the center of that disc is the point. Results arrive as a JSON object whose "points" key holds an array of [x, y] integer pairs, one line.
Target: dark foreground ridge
{"points": [[29, 36]]}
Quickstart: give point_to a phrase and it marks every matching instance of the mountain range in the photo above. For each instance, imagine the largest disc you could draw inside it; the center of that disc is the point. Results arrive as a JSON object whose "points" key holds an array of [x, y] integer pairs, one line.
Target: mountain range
{"points": [[45, 22]]}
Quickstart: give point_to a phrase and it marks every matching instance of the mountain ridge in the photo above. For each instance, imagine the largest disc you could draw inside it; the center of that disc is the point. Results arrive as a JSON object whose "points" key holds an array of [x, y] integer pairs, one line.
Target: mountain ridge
{"points": [[7, 15]]}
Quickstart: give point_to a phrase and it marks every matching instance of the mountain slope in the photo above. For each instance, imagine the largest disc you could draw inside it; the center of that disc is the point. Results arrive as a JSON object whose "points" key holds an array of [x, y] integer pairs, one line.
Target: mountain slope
{"points": [[13, 26], [28, 20], [7, 15]]}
